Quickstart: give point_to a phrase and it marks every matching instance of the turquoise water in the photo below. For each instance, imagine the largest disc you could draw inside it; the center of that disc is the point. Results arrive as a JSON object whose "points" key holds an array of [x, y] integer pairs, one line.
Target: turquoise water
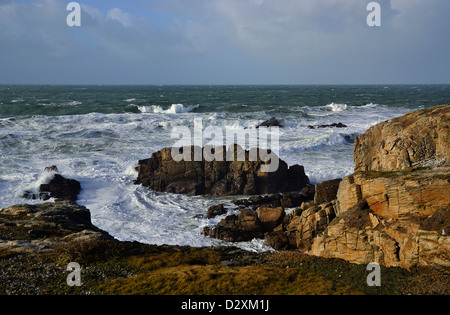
{"points": [[78, 100], [97, 134]]}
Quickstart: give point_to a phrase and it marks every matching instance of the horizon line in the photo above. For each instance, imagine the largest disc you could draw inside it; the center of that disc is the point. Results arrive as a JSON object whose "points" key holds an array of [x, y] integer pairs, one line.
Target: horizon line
{"points": [[218, 84]]}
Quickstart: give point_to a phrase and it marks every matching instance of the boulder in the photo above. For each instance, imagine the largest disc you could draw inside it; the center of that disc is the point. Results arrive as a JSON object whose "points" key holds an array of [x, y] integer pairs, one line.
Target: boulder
{"points": [[420, 138], [270, 217], [278, 240], [218, 177]]}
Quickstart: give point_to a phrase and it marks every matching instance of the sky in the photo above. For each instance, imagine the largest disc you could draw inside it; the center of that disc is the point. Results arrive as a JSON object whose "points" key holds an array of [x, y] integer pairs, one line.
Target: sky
{"points": [[225, 42]]}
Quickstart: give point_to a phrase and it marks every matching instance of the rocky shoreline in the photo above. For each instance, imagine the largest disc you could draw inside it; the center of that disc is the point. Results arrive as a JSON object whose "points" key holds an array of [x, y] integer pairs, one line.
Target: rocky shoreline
{"points": [[394, 210]]}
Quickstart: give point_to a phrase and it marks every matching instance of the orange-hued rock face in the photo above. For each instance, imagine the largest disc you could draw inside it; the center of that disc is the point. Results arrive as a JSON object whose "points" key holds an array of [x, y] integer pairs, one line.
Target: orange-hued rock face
{"points": [[389, 227], [396, 194], [420, 138], [395, 208]]}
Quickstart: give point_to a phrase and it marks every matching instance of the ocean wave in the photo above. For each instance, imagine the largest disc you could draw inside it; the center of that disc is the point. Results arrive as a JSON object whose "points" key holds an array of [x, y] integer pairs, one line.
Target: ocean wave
{"points": [[157, 109], [74, 103], [336, 107], [327, 139], [370, 105]]}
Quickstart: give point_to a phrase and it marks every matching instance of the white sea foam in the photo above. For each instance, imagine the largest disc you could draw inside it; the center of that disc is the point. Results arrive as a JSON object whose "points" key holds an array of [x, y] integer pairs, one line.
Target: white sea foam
{"points": [[337, 107], [102, 150], [74, 103], [174, 109]]}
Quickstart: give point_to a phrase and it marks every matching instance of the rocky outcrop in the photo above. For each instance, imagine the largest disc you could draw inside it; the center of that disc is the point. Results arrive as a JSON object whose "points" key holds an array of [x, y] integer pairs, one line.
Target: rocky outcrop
{"points": [[420, 138], [27, 228], [258, 216], [59, 187], [395, 208], [238, 176], [267, 217], [397, 215]]}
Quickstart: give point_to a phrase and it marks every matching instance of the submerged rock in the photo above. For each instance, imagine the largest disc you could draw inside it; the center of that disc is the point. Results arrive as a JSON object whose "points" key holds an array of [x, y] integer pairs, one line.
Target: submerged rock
{"points": [[272, 122], [333, 125]]}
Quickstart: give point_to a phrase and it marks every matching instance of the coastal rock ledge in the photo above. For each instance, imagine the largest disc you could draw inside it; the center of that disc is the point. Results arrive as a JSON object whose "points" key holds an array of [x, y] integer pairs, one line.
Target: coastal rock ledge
{"points": [[30, 228]]}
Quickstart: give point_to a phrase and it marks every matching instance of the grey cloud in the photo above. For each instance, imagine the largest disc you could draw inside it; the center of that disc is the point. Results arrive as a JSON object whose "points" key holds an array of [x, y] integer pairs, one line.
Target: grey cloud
{"points": [[226, 41]]}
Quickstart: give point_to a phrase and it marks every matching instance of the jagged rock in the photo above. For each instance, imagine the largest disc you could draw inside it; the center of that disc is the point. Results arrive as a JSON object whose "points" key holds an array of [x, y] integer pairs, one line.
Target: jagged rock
{"points": [[418, 192], [278, 240], [420, 138], [52, 168], [61, 188], [162, 173], [309, 192], [311, 223]]}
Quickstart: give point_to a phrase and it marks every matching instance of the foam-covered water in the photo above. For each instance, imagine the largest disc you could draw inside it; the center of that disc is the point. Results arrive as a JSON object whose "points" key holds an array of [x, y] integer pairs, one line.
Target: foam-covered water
{"points": [[97, 135]]}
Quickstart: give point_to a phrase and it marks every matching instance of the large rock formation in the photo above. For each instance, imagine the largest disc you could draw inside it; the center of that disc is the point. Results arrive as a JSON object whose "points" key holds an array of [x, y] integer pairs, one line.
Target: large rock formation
{"points": [[420, 138], [394, 210], [219, 176], [395, 219]]}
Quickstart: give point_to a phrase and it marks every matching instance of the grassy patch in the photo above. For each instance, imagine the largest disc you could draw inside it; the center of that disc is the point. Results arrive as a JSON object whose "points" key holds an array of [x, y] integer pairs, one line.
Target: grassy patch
{"points": [[218, 280]]}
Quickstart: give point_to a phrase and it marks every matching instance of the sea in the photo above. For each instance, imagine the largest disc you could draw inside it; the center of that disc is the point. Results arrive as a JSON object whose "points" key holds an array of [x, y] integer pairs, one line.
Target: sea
{"points": [[97, 134]]}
